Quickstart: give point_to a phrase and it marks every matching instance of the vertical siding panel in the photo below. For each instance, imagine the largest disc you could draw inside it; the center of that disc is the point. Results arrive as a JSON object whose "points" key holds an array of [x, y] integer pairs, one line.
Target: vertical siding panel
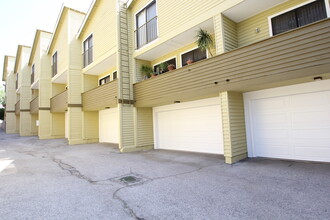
{"points": [[144, 127]]}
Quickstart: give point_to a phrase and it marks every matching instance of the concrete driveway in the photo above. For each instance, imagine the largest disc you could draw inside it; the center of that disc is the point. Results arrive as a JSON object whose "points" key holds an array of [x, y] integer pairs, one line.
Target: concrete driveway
{"points": [[47, 179]]}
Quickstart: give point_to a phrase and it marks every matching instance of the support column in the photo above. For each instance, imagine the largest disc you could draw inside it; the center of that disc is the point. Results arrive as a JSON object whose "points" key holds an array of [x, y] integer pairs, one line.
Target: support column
{"points": [[218, 34], [233, 121], [11, 122]]}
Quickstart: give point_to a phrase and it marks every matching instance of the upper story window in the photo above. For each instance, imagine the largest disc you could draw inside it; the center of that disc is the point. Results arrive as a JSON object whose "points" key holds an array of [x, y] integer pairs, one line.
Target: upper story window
{"points": [[193, 56], [32, 74], [54, 64], [104, 80], [299, 17], [88, 51], [163, 67], [146, 25], [114, 75]]}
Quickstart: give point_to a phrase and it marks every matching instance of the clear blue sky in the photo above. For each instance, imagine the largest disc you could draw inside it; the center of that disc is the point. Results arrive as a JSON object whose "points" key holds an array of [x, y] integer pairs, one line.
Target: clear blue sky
{"points": [[19, 20]]}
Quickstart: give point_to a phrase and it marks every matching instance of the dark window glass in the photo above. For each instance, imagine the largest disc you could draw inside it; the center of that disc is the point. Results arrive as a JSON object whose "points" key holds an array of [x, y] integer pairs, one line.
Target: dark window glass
{"points": [[146, 25], [54, 66], [301, 16], [32, 74], [114, 75], [194, 55], [159, 69], [88, 51], [104, 80]]}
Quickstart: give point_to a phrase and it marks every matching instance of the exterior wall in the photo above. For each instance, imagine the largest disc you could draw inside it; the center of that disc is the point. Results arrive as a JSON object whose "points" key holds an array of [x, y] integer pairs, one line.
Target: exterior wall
{"points": [[233, 122], [45, 124], [91, 127], [61, 41], [58, 125], [74, 129], [11, 123], [144, 127], [218, 34], [11, 92], [90, 82], [245, 29], [34, 128], [230, 34], [180, 17], [108, 72], [102, 23]]}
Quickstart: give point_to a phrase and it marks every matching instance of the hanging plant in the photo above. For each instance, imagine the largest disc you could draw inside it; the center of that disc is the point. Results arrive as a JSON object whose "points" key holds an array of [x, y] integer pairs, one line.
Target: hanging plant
{"points": [[205, 41]]}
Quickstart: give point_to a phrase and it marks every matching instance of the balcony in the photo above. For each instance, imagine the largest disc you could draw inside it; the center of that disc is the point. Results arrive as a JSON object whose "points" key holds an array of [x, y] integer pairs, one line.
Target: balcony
{"points": [[101, 97], [34, 106], [17, 108], [299, 53], [59, 103]]}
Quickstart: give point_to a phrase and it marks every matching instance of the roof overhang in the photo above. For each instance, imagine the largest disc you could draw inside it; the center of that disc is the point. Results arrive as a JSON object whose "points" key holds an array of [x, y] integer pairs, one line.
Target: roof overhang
{"points": [[35, 44], [35, 85], [61, 78], [87, 17], [249, 8]]}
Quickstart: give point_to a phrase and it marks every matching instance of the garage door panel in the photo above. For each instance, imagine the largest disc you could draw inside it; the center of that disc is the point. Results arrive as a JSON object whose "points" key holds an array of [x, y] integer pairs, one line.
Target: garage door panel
{"points": [[108, 126], [190, 128], [297, 128]]}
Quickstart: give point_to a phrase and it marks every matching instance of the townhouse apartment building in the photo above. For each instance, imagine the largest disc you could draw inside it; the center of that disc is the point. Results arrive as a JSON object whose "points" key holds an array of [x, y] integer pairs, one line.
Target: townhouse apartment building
{"points": [[262, 89]]}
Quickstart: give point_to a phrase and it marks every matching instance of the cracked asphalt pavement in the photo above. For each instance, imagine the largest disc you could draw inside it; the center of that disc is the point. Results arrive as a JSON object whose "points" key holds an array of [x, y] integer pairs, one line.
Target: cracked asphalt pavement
{"points": [[47, 179]]}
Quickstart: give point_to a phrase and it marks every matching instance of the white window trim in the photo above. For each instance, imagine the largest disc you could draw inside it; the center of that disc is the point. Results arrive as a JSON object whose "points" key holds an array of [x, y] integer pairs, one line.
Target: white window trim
{"points": [[103, 78], [187, 51], [327, 8], [176, 62], [82, 48], [135, 25]]}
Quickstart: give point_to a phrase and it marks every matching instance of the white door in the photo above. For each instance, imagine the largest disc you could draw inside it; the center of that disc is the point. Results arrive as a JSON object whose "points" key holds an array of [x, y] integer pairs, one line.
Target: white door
{"points": [[109, 126], [291, 122], [192, 126]]}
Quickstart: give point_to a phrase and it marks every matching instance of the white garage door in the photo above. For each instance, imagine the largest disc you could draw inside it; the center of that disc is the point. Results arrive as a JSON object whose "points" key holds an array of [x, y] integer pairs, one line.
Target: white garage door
{"points": [[290, 122], [109, 126], [192, 126]]}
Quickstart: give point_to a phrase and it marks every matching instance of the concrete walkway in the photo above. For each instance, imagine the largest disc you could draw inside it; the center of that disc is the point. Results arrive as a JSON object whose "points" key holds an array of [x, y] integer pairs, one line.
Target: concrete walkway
{"points": [[47, 179]]}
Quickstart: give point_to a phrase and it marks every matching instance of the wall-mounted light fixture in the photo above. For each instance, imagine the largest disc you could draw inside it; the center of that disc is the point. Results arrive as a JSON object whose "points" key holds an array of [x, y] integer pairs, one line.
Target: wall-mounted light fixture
{"points": [[177, 101], [107, 107]]}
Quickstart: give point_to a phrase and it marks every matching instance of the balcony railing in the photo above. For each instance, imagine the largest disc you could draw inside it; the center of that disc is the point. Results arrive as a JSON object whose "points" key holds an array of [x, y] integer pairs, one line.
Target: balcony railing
{"points": [[295, 54], [59, 103], [34, 105], [146, 33], [17, 108], [101, 97], [88, 56], [54, 70]]}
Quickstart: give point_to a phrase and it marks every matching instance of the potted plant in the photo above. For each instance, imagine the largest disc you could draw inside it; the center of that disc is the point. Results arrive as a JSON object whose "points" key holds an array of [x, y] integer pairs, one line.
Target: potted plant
{"points": [[163, 67], [171, 67], [189, 61], [205, 41], [147, 71]]}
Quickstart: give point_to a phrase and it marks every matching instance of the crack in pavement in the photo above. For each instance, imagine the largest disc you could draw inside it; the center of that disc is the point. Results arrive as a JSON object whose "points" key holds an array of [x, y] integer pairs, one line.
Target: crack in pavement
{"points": [[73, 171]]}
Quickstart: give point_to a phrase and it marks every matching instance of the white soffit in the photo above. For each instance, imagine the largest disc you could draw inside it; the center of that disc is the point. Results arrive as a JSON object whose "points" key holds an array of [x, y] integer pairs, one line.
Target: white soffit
{"points": [[179, 41], [249, 8], [35, 85], [60, 78], [106, 64]]}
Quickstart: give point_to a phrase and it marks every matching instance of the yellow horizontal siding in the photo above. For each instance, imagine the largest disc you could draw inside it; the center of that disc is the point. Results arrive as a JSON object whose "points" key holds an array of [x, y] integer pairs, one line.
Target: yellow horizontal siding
{"points": [[297, 50], [59, 103], [144, 127], [102, 23], [246, 28]]}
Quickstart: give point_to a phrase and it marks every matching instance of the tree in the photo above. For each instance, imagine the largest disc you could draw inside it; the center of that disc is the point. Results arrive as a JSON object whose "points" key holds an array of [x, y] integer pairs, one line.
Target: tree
{"points": [[2, 98]]}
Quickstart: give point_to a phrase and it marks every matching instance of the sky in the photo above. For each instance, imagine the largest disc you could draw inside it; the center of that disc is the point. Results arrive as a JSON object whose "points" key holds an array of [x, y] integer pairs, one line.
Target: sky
{"points": [[19, 20]]}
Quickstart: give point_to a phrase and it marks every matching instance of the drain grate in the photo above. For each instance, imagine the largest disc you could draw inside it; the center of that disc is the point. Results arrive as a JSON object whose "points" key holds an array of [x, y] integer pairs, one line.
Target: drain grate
{"points": [[129, 179]]}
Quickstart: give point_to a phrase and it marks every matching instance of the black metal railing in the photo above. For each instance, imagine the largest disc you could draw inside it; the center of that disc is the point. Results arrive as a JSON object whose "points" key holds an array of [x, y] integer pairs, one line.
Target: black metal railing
{"points": [[88, 56], [146, 33]]}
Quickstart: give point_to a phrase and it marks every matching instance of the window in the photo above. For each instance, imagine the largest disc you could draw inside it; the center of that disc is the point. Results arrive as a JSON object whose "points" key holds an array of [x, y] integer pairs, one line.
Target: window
{"points": [[194, 55], [54, 64], [299, 17], [88, 51], [104, 80], [32, 74], [146, 25], [114, 75], [162, 67]]}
